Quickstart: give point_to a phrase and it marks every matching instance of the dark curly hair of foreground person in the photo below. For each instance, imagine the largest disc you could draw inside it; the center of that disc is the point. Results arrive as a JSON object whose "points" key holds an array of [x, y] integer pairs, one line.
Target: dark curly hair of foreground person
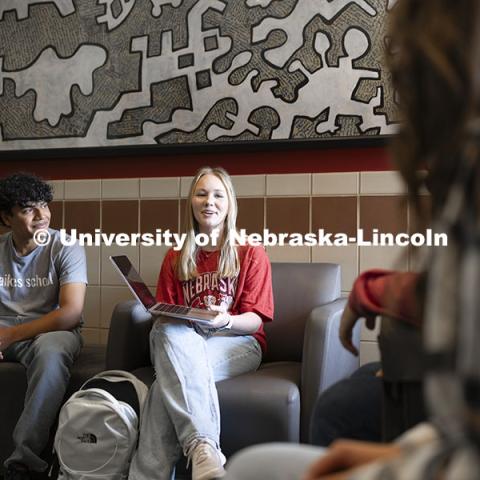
{"points": [[23, 189]]}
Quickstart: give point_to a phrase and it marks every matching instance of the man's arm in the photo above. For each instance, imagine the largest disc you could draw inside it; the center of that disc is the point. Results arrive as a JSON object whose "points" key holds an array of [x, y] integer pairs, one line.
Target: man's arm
{"points": [[66, 317], [341, 460]]}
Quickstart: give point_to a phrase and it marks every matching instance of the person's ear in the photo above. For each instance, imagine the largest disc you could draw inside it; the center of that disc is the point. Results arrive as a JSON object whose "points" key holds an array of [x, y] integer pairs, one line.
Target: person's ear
{"points": [[5, 218]]}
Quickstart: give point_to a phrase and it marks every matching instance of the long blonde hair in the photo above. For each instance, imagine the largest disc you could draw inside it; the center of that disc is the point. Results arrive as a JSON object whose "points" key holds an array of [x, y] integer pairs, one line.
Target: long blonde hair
{"points": [[228, 264]]}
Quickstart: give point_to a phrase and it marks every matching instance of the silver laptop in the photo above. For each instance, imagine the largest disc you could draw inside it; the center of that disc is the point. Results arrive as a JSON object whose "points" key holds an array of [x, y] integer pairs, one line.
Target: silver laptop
{"points": [[144, 296]]}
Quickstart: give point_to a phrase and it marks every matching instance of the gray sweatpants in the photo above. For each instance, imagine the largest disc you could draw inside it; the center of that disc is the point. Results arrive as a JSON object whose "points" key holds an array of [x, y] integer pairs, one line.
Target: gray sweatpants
{"points": [[47, 359]]}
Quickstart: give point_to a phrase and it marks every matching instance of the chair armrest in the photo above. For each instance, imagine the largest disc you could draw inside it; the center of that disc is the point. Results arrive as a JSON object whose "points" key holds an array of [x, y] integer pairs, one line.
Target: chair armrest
{"points": [[325, 361], [128, 341]]}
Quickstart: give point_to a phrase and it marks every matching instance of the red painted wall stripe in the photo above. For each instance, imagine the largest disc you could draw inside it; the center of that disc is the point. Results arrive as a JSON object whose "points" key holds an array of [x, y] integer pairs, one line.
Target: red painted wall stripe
{"points": [[286, 161]]}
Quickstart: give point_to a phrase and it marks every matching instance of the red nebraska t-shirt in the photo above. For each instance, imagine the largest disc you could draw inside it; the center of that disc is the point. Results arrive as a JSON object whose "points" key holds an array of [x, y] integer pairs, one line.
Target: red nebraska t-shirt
{"points": [[250, 291]]}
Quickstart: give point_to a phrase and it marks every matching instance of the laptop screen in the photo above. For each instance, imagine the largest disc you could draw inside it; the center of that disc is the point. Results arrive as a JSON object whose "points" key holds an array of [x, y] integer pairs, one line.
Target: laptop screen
{"points": [[134, 281]]}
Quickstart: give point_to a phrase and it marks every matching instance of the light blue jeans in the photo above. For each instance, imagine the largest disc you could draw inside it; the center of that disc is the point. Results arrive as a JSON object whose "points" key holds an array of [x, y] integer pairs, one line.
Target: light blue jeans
{"points": [[47, 359], [182, 404]]}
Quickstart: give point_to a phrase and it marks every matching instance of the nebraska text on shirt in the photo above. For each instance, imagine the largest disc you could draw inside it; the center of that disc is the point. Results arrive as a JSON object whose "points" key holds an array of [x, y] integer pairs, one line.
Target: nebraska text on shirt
{"points": [[205, 282]]}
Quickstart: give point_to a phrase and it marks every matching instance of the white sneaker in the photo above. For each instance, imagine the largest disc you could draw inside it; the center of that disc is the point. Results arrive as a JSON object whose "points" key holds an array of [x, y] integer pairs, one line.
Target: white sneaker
{"points": [[207, 462]]}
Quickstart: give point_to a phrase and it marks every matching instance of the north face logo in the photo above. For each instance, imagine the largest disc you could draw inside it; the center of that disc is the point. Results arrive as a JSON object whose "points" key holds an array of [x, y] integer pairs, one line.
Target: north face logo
{"points": [[87, 438]]}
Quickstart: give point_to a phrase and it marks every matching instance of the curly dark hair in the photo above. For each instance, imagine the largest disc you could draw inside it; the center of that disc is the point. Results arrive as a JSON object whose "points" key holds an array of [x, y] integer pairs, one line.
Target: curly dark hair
{"points": [[23, 189]]}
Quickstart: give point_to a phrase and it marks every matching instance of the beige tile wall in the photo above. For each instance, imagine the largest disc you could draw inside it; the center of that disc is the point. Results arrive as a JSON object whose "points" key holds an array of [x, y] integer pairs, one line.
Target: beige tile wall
{"points": [[284, 203]]}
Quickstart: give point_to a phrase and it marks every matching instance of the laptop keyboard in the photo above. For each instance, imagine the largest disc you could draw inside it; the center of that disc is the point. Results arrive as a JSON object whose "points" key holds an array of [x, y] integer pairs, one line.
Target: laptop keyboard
{"points": [[167, 308]]}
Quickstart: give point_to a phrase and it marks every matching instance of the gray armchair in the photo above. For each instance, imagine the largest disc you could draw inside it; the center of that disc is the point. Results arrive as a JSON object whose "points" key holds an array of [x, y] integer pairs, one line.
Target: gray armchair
{"points": [[304, 357]]}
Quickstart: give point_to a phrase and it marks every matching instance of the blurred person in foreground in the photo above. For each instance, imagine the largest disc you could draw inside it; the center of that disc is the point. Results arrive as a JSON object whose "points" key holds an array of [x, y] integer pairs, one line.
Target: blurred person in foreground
{"points": [[435, 64]]}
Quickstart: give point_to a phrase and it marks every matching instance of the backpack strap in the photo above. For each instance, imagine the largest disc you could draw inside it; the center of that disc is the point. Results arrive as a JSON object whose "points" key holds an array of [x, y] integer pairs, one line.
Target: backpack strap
{"points": [[119, 406], [122, 376]]}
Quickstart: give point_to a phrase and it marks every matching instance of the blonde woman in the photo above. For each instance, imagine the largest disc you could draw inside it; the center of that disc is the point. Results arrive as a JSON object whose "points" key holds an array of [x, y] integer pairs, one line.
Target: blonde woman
{"points": [[182, 413]]}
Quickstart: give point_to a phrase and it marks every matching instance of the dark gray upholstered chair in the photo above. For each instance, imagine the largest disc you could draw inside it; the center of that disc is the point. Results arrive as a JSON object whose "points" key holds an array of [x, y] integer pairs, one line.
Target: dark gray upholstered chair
{"points": [[304, 357], [403, 364], [13, 384]]}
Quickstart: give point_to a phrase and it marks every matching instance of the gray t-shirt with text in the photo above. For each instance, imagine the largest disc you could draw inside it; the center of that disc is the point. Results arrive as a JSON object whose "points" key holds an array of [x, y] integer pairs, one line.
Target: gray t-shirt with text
{"points": [[30, 285]]}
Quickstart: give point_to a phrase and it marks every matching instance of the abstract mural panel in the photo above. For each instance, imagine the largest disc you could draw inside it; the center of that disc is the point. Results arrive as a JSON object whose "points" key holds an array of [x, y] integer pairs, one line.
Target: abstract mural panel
{"points": [[106, 73]]}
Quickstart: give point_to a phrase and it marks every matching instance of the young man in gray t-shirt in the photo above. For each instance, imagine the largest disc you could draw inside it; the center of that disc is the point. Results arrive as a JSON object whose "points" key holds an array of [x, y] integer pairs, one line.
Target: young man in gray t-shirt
{"points": [[42, 292]]}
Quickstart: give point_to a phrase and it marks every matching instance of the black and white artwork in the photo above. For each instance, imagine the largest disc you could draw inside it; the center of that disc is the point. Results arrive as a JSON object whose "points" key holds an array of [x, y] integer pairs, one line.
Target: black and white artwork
{"points": [[106, 73]]}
